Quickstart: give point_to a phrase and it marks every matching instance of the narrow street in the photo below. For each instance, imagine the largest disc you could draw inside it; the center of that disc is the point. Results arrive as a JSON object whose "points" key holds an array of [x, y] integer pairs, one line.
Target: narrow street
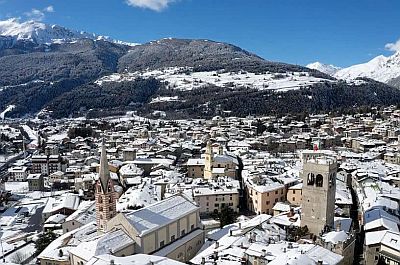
{"points": [[359, 244]]}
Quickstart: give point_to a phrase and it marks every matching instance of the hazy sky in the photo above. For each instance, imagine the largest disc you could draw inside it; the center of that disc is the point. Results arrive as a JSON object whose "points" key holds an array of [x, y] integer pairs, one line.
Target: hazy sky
{"points": [[339, 32]]}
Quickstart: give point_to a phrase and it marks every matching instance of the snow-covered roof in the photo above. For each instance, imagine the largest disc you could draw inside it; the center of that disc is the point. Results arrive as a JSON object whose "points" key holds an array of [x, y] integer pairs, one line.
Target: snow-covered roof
{"points": [[138, 259], [160, 214], [69, 201]]}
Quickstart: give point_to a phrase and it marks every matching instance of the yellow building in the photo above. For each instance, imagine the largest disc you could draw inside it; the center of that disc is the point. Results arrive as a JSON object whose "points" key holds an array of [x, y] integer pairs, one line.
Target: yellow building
{"points": [[223, 192], [170, 228], [294, 194], [215, 165], [263, 193]]}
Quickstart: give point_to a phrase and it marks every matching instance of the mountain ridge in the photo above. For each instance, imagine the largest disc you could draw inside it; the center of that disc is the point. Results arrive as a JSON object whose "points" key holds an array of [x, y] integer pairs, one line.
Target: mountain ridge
{"points": [[80, 75], [41, 33], [324, 68]]}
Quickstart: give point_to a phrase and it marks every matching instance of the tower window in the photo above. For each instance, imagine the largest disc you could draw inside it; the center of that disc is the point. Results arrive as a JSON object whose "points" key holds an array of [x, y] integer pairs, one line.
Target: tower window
{"points": [[319, 180], [310, 179]]}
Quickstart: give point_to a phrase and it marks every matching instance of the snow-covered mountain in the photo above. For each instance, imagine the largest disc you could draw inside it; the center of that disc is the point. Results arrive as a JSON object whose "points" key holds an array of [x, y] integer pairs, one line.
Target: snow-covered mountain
{"points": [[324, 68], [381, 68], [41, 33]]}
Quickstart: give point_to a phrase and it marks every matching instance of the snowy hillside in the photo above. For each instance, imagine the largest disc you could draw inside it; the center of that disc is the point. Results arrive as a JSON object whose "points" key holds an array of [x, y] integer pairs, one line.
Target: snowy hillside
{"points": [[324, 68], [41, 33], [380, 68], [185, 79]]}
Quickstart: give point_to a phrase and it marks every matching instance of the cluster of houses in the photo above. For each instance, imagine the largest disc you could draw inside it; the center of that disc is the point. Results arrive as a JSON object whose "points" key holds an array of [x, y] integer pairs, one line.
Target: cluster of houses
{"points": [[300, 192]]}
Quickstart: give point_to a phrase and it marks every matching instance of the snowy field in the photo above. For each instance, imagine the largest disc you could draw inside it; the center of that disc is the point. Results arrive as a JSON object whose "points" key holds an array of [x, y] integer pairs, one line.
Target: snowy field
{"points": [[184, 79], [8, 109], [32, 135]]}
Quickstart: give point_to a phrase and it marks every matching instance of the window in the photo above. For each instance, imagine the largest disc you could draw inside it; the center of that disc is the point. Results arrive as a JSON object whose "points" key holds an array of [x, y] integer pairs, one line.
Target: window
{"points": [[294, 191], [162, 243], [267, 202], [101, 208], [191, 227], [310, 179], [267, 193], [183, 232], [207, 204], [276, 200], [216, 205], [319, 180], [276, 192], [293, 199], [172, 238]]}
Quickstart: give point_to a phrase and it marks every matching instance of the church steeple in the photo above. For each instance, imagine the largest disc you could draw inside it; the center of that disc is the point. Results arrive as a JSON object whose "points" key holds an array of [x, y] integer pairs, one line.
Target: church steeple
{"points": [[104, 172], [106, 199], [208, 164]]}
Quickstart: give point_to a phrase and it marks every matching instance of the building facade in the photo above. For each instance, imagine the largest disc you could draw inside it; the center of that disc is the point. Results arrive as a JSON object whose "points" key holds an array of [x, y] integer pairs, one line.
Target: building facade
{"points": [[319, 188]]}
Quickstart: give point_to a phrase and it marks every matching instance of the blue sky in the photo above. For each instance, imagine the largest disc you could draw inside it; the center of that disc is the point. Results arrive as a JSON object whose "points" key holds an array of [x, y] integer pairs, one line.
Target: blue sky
{"points": [[339, 32]]}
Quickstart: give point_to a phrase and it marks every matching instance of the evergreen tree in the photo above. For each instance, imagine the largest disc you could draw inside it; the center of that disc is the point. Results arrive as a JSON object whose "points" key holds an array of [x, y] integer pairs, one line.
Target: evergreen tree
{"points": [[43, 241]]}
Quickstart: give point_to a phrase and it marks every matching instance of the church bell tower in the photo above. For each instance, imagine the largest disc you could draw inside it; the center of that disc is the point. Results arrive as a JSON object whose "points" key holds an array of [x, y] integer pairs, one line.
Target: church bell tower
{"points": [[319, 188], [105, 195]]}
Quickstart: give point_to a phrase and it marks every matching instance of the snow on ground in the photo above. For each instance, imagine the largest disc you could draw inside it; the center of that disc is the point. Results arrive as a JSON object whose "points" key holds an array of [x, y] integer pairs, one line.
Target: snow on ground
{"points": [[58, 136], [21, 254], [184, 79], [32, 135], [380, 68], [143, 195], [9, 108], [16, 187], [164, 99], [24, 84]]}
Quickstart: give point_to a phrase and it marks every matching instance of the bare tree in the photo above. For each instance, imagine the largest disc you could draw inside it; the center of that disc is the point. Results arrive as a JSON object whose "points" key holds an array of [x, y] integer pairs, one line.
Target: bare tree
{"points": [[18, 257]]}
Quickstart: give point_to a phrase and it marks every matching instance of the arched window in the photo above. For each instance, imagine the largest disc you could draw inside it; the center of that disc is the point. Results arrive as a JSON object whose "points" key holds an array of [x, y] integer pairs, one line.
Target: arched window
{"points": [[319, 180], [310, 179]]}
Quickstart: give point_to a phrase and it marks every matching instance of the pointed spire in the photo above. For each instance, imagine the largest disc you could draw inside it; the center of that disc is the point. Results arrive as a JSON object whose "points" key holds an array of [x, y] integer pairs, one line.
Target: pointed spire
{"points": [[104, 172]]}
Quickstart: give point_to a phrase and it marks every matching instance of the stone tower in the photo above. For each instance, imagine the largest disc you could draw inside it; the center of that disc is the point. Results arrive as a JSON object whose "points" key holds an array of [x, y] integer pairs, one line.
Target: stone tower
{"points": [[209, 157], [105, 194], [319, 188], [221, 150]]}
